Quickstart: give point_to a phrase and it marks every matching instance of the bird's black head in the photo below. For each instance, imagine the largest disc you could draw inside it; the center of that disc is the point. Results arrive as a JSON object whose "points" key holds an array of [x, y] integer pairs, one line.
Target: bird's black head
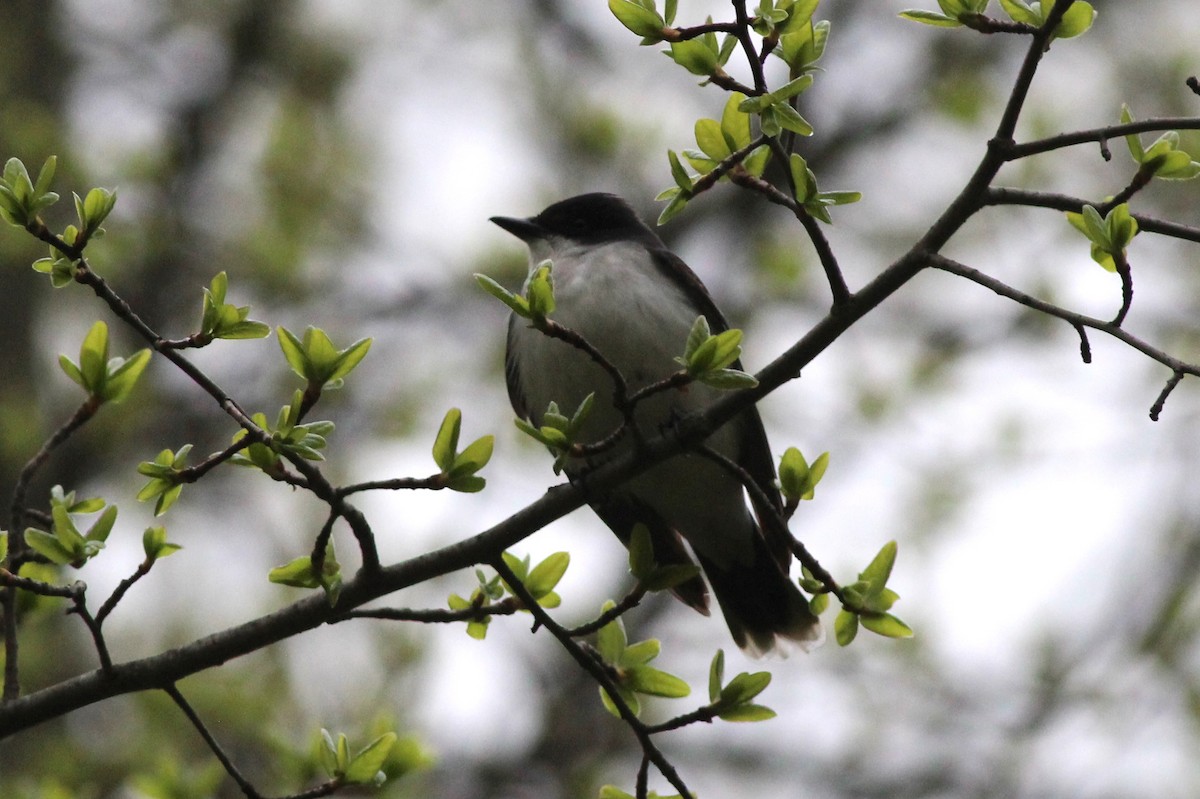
{"points": [[587, 219]]}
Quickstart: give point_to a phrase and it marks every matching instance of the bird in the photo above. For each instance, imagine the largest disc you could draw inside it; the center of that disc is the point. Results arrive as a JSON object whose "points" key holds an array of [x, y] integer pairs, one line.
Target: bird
{"points": [[619, 287]]}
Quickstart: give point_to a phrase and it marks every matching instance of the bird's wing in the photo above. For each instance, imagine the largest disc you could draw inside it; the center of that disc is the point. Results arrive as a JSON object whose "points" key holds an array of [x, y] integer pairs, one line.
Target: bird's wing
{"points": [[512, 373], [754, 453]]}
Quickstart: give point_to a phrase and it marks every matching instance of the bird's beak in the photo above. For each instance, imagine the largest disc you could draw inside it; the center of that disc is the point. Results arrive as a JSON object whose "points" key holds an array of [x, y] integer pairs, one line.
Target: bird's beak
{"points": [[523, 229]]}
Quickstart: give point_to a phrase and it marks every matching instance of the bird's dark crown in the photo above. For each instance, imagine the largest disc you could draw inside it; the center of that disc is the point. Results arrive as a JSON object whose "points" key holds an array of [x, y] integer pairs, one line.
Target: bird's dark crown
{"points": [[593, 218]]}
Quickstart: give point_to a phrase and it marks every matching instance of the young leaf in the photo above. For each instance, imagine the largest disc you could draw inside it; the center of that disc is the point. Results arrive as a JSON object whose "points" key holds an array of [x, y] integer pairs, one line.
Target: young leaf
{"points": [[845, 627], [887, 625], [716, 675], [545, 576], [445, 446], [880, 568], [651, 681], [365, 767]]}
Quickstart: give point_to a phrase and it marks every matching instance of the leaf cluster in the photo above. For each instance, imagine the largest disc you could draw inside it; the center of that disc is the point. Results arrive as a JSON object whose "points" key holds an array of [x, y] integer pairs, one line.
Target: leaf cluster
{"points": [[1163, 158], [364, 767], [628, 665], [866, 601], [557, 432], [219, 319], [540, 581], [971, 13], [732, 700], [1109, 235], [65, 544], [104, 379], [287, 435], [164, 472], [537, 302], [315, 358], [459, 469], [21, 199], [707, 357], [797, 479], [304, 573]]}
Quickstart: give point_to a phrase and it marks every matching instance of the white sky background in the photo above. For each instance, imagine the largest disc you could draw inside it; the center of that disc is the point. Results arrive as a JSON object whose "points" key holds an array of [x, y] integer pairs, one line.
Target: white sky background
{"points": [[1052, 511]]}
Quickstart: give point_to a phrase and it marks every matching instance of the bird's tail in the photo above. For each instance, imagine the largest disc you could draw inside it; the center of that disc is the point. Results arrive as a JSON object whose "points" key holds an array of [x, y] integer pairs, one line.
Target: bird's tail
{"points": [[762, 605]]}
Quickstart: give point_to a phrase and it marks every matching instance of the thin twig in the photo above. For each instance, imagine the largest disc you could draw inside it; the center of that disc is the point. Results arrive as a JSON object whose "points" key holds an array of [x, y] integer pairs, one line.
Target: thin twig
{"points": [[79, 608], [247, 788], [505, 607], [1156, 409], [779, 527], [119, 592], [17, 550], [597, 670], [434, 482], [1077, 320], [1061, 202], [627, 603]]}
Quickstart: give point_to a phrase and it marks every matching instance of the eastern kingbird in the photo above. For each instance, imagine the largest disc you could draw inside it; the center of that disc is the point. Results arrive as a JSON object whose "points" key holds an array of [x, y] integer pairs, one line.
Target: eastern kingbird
{"points": [[617, 285]]}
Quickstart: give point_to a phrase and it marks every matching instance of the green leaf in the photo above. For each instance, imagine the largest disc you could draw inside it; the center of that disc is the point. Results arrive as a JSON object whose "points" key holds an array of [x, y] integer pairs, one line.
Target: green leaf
{"points": [[293, 351], [540, 292], [1077, 20], [516, 303], [643, 21], [887, 625], [610, 639], [640, 653], [845, 627], [880, 568], [728, 379], [328, 752], [710, 138], [641, 552], [695, 55], [445, 446], [745, 687], [349, 358], [1020, 11], [3, 546], [366, 765], [518, 566], [65, 531], [678, 201], [93, 357], [881, 601], [930, 18], [747, 712], [651, 681], [790, 119], [120, 381], [100, 530], [635, 706], [716, 675], [735, 125], [696, 336], [1132, 140], [297, 573], [94, 209], [45, 176], [474, 457], [545, 576], [72, 371], [678, 173], [48, 546]]}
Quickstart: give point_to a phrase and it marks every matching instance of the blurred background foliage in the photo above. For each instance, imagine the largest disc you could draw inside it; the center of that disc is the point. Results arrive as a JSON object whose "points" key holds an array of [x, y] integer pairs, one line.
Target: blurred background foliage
{"points": [[339, 160]]}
